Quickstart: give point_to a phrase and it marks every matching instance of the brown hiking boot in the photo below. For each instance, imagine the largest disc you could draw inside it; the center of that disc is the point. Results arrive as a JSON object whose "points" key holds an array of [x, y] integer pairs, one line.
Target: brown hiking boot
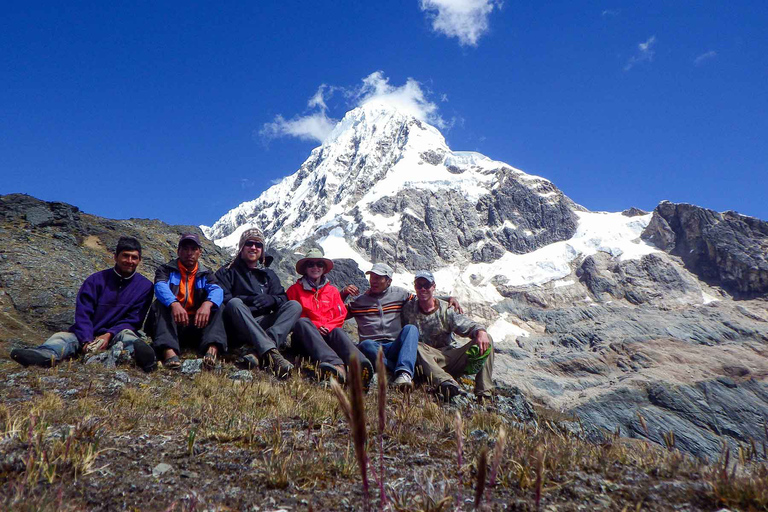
{"points": [[277, 364], [367, 376], [328, 370]]}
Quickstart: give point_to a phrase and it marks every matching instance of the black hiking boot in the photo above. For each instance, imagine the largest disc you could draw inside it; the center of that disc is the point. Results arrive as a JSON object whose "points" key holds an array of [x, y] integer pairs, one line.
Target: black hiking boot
{"points": [[277, 364], [32, 357], [144, 356]]}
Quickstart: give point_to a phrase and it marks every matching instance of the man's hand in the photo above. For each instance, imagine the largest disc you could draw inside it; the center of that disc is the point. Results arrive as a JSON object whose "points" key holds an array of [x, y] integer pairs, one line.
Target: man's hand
{"points": [[349, 290], [323, 330], [263, 301], [482, 341], [203, 314], [98, 344], [452, 302], [180, 315]]}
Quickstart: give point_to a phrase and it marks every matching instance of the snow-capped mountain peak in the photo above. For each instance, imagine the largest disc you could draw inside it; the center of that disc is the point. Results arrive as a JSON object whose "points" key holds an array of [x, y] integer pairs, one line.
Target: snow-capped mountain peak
{"points": [[380, 178]]}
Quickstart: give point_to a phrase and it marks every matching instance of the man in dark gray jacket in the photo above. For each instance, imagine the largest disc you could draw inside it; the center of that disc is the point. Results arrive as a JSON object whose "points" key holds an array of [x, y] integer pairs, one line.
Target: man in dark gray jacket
{"points": [[257, 312]]}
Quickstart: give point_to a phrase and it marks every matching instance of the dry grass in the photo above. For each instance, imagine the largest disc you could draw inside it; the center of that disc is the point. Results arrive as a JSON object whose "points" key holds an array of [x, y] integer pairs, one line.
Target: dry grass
{"points": [[290, 441]]}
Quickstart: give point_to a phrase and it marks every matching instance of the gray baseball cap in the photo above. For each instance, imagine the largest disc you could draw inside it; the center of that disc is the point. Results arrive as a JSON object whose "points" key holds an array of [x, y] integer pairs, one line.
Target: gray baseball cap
{"points": [[381, 269], [425, 274]]}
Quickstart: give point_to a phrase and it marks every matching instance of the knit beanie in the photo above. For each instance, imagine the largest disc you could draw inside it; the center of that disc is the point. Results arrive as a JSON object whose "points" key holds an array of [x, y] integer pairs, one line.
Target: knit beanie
{"points": [[250, 234]]}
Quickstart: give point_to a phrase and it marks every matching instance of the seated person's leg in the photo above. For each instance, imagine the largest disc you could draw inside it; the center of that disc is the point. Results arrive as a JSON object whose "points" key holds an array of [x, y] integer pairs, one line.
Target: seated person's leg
{"points": [[340, 343], [280, 323], [308, 341], [403, 350], [431, 366], [138, 348], [245, 329], [370, 349], [58, 347], [214, 335], [165, 335], [457, 360]]}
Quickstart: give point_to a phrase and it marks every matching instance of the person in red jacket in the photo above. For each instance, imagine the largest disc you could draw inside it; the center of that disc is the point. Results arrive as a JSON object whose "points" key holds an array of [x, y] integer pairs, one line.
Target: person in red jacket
{"points": [[323, 313]]}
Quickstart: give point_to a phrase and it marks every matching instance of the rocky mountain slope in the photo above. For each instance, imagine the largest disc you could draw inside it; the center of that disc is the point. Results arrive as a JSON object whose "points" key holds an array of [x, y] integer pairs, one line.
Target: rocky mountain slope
{"points": [[642, 323]]}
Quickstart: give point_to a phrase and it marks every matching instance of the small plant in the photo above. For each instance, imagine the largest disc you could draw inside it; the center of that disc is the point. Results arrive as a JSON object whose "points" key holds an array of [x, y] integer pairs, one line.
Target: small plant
{"points": [[482, 471]]}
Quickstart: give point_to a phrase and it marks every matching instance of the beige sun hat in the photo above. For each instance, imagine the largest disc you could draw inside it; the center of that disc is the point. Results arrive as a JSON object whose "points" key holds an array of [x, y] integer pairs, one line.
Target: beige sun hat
{"points": [[313, 255]]}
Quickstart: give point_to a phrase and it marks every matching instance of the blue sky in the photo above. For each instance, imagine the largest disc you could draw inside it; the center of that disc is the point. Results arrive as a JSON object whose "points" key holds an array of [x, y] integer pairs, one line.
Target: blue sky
{"points": [[182, 110]]}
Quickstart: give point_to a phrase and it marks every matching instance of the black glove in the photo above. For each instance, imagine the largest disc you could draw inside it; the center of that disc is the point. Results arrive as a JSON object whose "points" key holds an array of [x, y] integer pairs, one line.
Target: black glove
{"points": [[263, 301]]}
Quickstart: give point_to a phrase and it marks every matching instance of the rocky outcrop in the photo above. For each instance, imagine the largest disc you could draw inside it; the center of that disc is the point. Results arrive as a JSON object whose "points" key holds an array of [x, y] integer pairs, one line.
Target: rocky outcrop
{"points": [[725, 249], [49, 249]]}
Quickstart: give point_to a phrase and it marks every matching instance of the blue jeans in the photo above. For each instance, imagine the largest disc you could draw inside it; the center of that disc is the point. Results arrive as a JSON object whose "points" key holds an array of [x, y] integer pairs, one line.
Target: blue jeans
{"points": [[64, 345], [399, 355]]}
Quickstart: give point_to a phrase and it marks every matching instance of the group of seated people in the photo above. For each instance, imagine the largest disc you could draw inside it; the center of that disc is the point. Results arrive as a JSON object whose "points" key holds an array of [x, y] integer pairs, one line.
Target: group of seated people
{"points": [[244, 306]]}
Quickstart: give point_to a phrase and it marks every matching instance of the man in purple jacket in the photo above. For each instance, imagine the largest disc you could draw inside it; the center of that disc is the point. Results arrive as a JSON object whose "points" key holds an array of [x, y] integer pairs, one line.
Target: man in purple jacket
{"points": [[111, 306]]}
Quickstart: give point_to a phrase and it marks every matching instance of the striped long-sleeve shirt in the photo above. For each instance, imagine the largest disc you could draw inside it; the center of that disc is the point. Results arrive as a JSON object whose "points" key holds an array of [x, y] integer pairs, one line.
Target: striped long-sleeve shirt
{"points": [[378, 315]]}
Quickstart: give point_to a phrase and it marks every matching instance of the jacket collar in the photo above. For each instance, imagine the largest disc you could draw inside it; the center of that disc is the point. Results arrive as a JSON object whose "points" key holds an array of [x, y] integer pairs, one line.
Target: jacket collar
{"points": [[176, 265], [308, 286]]}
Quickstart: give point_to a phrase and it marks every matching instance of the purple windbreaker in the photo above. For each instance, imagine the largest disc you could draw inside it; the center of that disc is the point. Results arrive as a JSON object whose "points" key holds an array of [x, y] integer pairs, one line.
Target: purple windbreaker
{"points": [[107, 302]]}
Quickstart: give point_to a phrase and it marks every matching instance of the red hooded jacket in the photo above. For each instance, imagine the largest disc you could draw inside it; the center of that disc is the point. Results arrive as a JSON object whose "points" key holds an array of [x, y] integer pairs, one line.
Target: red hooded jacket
{"points": [[323, 306]]}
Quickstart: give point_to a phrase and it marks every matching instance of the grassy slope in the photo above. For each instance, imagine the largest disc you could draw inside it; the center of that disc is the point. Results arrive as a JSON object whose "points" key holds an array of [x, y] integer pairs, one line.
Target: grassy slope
{"points": [[78, 438]]}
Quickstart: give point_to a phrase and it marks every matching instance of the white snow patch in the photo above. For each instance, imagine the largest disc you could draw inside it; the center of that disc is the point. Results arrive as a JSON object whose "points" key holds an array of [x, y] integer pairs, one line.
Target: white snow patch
{"points": [[707, 298], [612, 233], [335, 246], [568, 282], [382, 224], [503, 328]]}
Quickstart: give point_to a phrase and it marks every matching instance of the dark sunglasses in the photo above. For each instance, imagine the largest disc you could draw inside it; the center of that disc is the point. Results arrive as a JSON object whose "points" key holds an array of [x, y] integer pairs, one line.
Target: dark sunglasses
{"points": [[251, 243], [423, 285], [318, 264]]}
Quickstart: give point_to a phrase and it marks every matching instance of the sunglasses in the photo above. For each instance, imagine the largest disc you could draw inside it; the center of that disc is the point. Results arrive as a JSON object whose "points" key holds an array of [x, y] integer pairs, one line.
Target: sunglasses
{"points": [[423, 285], [318, 264], [251, 243]]}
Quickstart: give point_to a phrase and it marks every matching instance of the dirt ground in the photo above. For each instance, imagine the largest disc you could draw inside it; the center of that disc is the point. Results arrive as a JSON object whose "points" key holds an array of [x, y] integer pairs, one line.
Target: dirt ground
{"points": [[86, 437]]}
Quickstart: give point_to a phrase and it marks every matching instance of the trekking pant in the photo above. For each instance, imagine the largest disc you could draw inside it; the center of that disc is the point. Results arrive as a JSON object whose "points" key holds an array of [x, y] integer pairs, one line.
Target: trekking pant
{"points": [[439, 365], [261, 333], [342, 344], [166, 333], [64, 345], [308, 341], [399, 355]]}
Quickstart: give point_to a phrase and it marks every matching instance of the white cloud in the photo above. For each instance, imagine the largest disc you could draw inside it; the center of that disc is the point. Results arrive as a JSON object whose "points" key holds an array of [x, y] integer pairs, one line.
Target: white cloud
{"points": [[315, 127], [409, 98], [315, 124], [466, 20], [644, 53], [704, 57], [609, 13]]}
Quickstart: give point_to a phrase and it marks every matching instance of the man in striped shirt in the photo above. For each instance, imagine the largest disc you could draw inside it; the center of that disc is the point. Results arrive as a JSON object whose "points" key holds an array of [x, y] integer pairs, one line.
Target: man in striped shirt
{"points": [[379, 323]]}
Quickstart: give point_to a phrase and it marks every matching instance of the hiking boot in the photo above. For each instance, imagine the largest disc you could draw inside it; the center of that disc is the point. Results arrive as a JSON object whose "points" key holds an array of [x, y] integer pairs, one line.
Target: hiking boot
{"points": [[248, 362], [144, 355], [367, 375], [277, 364], [32, 357], [450, 391], [404, 382], [328, 370]]}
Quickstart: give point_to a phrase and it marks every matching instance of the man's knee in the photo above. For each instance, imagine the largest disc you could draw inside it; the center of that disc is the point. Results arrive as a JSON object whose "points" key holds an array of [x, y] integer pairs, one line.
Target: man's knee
{"points": [[234, 305], [292, 307], [303, 323]]}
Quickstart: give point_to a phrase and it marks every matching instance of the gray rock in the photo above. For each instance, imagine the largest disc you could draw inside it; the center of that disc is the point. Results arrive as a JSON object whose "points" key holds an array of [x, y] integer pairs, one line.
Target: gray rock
{"points": [[161, 469], [191, 366], [122, 377], [242, 375], [726, 249]]}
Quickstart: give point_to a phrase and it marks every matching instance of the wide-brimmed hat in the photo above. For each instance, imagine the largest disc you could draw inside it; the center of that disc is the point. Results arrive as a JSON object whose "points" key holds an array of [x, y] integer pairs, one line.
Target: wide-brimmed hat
{"points": [[313, 255]]}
